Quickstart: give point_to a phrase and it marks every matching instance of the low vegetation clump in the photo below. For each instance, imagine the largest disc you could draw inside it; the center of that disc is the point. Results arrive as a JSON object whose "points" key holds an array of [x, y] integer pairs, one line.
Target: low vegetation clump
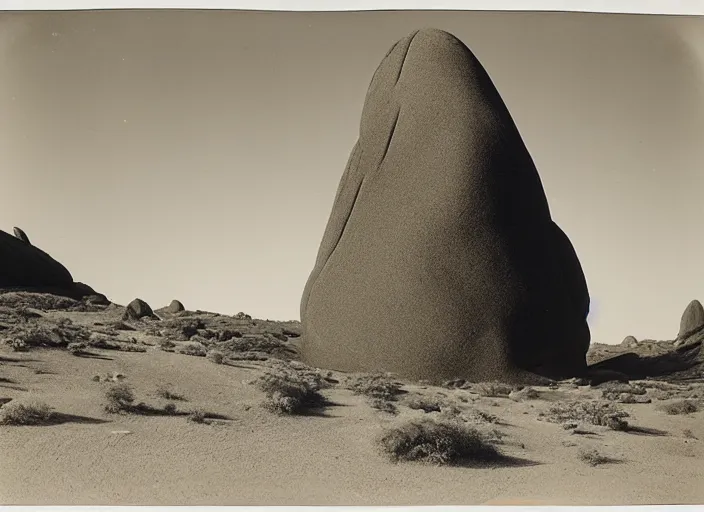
{"points": [[17, 345], [216, 356], [166, 392], [680, 407], [375, 387], [494, 389], [442, 443], [291, 390], [197, 416], [425, 404], [120, 398], [688, 434], [167, 345], [76, 348], [594, 412], [383, 405], [192, 349], [34, 413], [593, 457]]}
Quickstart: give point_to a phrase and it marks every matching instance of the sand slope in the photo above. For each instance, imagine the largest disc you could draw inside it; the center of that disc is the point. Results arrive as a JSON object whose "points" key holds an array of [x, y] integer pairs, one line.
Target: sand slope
{"points": [[255, 457]]}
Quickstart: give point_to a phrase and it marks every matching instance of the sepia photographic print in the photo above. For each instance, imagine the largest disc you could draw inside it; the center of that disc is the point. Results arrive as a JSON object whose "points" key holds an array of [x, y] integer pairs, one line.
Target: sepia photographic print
{"points": [[386, 258]]}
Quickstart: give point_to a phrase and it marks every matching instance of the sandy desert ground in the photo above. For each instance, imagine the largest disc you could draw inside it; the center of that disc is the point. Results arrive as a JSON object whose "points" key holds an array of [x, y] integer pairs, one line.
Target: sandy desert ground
{"points": [[201, 431]]}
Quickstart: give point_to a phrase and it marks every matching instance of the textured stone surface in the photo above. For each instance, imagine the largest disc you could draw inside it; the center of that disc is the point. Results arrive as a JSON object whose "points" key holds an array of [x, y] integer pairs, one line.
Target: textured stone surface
{"points": [[692, 320], [175, 307], [440, 258], [137, 309], [21, 235]]}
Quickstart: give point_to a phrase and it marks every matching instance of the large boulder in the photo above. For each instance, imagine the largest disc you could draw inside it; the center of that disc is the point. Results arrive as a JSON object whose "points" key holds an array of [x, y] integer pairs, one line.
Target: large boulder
{"points": [[138, 309], [692, 320], [440, 258], [176, 306], [23, 265]]}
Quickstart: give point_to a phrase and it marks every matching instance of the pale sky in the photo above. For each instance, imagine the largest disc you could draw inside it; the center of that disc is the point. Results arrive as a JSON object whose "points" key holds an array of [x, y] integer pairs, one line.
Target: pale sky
{"points": [[196, 155]]}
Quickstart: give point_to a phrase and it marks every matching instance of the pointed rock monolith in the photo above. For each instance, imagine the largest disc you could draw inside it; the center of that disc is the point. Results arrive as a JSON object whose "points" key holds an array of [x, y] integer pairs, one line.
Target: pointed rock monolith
{"points": [[440, 259]]}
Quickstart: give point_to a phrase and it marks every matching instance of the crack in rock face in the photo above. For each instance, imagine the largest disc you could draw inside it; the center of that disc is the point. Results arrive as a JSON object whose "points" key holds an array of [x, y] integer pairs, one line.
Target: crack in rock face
{"points": [[440, 259]]}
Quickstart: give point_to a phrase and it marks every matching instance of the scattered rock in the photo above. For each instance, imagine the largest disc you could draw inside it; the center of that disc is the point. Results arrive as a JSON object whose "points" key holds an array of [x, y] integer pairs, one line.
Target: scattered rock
{"points": [[137, 309], [175, 307], [526, 393], [21, 235], [692, 320]]}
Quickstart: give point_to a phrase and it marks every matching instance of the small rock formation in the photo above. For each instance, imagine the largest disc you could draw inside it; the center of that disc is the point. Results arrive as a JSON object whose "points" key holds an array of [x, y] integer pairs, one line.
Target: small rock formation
{"points": [[440, 259], [21, 235], [630, 341], [692, 320], [137, 309], [175, 307]]}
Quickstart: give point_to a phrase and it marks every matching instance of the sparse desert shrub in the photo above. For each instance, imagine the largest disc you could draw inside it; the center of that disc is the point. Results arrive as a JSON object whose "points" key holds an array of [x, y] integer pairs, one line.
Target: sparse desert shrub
{"points": [[687, 433], [679, 407], [479, 417], [447, 443], [290, 390], [494, 389], [120, 398], [132, 348], [215, 356], [167, 345], [197, 416], [593, 457], [33, 413], [425, 404], [166, 392], [170, 408], [375, 386], [616, 388], [76, 348], [383, 405], [192, 349], [242, 316], [249, 356], [594, 412]]}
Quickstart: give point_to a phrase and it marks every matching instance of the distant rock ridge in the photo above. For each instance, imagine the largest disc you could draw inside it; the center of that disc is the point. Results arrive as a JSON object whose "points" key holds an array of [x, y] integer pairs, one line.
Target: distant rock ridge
{"points": [[440, 259], [24, 266]]}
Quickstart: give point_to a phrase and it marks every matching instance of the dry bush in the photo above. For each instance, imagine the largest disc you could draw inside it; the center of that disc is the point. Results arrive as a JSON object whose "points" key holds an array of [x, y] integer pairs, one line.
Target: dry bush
{"points": [[192, 348], [33, 413], [383, 405], [374, 386], [120, 398], [443, 443], [165, 392], [425, 404], [215, 356], [593, 411], [291, 389], [76, 348], [494, 389], [167, 345], [679, 407], [593, 457]]}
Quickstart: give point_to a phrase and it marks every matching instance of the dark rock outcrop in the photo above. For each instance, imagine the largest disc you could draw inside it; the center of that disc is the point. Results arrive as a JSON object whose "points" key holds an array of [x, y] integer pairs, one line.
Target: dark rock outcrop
{"points": [[440, 259], [692, 320], [21, 235], [137, 309], [175, 307], [24, 265]]}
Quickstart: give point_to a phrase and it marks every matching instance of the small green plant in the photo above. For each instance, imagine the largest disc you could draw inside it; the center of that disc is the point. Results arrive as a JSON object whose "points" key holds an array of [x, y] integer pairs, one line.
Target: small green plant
{"points": [[120, 398], [442, 443], [33, 413]]}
